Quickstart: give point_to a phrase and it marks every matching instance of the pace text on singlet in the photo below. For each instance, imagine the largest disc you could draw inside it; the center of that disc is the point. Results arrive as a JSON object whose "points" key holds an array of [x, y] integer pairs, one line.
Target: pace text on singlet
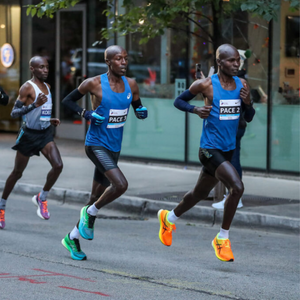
{"points": [[117, 118], [230, 109]]}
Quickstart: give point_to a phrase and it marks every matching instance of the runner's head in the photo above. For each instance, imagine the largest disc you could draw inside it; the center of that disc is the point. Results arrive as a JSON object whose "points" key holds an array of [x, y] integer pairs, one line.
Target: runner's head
{"points": [[39, 67], [117, 60], [228, 60]]}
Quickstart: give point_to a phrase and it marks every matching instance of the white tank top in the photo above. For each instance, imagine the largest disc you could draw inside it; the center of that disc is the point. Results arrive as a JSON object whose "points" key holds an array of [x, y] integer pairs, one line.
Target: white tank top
{"points": [[39, 118]]}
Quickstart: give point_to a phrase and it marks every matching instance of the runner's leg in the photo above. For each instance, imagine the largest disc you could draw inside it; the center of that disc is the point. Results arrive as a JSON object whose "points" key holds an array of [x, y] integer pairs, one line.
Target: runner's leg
{"points": [[118, 187], [227, 174], [52, 154], [204, 185], [21, 162]]}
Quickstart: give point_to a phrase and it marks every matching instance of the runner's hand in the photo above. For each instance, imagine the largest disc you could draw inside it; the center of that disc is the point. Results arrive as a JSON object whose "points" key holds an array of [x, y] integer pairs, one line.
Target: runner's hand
{"points": [[93, 117], [245, 94], [41, 99], [55, 122], [203, 112], [141, 112]]}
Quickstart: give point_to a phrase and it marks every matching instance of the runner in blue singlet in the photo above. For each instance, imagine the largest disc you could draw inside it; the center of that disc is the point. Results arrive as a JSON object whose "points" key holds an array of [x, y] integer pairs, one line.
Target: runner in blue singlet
{"points": [[225, 95], [111, 95]]}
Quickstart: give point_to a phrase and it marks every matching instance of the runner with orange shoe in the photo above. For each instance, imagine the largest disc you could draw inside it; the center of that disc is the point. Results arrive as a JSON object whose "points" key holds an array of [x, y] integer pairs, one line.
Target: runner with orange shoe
{"points": [[225, 94]]}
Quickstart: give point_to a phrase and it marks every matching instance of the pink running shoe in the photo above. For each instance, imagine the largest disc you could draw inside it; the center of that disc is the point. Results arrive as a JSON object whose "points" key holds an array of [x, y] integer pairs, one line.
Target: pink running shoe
{"points": [[42, 210], [2, 218]]}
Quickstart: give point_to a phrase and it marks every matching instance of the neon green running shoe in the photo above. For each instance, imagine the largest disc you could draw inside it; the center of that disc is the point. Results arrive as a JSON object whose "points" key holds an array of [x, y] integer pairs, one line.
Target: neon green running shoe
{"points": [[74, 247], [86, 224]]}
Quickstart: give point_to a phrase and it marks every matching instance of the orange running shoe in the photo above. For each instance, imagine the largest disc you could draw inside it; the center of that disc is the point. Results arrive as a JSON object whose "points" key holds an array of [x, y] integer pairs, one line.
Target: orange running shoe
{"points": [[165, 231], [2, 218], [222, 249]]}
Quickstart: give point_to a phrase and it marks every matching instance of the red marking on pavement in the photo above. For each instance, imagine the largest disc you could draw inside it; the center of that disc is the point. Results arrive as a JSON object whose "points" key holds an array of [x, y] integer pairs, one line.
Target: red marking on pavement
{"points": [[65, 275], [45, 275], [4, 274], [97, 293], [30, 280]]}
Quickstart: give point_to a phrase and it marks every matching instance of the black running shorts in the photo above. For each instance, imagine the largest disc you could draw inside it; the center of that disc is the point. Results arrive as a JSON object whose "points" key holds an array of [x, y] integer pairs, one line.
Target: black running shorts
{"points": [[30, 141], [104, 160], [212, 158]]}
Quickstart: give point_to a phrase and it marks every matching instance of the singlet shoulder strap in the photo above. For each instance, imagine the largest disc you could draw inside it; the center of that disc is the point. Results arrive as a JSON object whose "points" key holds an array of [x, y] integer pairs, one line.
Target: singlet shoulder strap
{"points": [[37, 89], [238, 82], [47, 88], [32, 83], [127, 86]]}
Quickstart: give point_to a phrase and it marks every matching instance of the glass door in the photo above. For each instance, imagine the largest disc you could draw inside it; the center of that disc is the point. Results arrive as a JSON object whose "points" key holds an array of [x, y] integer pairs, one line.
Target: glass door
{"points": [[70, 68]]}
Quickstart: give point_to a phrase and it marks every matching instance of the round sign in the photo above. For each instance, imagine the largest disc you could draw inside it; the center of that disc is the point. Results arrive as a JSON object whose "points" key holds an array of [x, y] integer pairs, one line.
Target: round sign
{"points": [[7, 55]]}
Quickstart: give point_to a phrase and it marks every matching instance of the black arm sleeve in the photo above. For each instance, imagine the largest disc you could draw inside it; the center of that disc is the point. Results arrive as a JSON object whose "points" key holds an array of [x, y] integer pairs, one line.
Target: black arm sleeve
{"points": [[249, 112], [70, 101], [3, 97], [19, 109], [136, 104], [181, 102]]}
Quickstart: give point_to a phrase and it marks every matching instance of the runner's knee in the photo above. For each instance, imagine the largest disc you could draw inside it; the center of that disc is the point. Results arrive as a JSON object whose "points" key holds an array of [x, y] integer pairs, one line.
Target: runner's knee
{"points": [[58, 167], [121, 186], [17, 174], [237, 190]]}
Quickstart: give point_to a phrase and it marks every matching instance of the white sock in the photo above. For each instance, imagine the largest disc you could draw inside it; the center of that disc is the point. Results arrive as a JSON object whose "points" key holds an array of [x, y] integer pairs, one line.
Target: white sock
{"points": [[224, 234], [2, 203], [74, 234], [43, 195], [92, 210], [172, 218]]}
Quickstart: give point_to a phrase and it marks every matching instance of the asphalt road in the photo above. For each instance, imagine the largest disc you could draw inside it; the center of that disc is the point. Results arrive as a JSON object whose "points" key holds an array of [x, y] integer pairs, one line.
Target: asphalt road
{"points": [[127, 261]]}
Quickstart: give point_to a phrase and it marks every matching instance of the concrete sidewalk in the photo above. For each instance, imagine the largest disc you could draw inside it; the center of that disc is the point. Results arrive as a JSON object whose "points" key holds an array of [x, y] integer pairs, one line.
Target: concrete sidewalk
{"points": [[269, 202]]}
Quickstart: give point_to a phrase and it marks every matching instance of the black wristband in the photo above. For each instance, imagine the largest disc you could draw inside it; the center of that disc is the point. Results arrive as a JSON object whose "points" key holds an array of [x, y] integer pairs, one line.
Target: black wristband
{"points": [[136, 104]]}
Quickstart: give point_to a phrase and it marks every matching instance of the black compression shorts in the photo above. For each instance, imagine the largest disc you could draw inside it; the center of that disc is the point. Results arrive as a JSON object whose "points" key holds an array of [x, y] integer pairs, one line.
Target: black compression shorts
{"points": [[104, 160], [30, 141], [212, 158]]}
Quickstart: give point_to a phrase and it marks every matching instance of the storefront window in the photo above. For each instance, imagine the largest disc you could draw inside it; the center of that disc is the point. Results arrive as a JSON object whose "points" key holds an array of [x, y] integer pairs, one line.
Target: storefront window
{"points": [[285, 131], [10, 76], [161, 135]]}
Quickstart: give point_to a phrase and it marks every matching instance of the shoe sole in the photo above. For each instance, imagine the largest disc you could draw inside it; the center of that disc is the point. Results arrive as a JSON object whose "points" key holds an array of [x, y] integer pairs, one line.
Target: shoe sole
{"points": [[216, 251], [160, 224], [80, 230], [68, 248], [222, 208], [33, 199]]}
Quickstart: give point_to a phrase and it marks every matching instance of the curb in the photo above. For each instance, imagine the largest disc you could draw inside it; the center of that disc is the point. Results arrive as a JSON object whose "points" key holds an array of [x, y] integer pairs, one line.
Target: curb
{"points": [[146, 207]]}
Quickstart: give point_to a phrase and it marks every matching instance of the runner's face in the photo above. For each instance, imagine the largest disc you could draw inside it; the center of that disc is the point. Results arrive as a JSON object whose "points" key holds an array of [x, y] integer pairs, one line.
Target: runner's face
{"points": [[119, 63], [41, 70], [230, 63]]}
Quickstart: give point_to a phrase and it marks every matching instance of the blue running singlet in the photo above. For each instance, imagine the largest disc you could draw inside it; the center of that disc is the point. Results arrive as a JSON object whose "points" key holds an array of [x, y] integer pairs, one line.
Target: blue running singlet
{"points": [[114, 107], [220, 128]]}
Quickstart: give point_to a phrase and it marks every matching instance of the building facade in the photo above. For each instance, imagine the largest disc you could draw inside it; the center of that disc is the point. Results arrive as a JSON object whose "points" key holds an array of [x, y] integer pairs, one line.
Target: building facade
{"points": [[163, 67]]}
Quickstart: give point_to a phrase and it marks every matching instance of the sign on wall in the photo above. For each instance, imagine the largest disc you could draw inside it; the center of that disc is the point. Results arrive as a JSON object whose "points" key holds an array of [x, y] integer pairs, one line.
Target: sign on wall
{"points": [[180, 86], [7, 55]]}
